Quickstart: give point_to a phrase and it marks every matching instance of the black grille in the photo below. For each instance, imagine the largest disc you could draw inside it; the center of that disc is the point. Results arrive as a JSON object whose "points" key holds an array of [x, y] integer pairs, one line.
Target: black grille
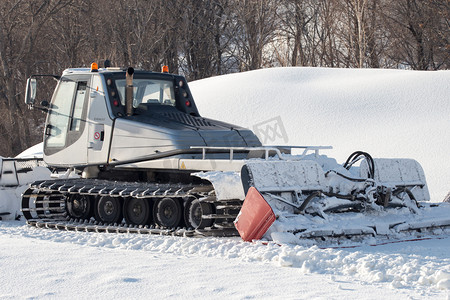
{"points": [[24, 165], [188, 119]]}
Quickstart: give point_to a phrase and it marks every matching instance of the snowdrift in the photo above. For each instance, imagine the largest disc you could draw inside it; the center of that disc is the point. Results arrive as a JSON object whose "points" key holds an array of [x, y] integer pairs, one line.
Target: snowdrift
{"points": [[388, 113]]}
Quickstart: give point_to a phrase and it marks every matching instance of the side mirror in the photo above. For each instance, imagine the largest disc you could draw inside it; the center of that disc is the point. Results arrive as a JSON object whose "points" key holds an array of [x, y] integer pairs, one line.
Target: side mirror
{"points": [[30, 92]]}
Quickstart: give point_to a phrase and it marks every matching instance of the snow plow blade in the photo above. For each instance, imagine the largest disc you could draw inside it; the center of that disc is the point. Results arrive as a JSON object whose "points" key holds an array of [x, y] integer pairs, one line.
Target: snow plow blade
{"points": [[316, 199], [255, 218]]}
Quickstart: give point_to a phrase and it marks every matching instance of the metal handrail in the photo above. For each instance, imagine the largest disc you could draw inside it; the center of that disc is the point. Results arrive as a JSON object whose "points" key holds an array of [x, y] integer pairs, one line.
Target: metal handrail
{"points": [[266, 150]]}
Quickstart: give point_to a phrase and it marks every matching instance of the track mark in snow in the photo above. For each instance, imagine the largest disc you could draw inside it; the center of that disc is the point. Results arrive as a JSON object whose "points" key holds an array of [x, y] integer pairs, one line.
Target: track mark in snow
{"points": [[131, 279]]}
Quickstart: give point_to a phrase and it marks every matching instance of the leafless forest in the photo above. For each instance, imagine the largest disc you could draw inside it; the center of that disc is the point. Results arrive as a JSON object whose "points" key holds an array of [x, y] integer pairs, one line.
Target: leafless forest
{"points": [[199, 39]]}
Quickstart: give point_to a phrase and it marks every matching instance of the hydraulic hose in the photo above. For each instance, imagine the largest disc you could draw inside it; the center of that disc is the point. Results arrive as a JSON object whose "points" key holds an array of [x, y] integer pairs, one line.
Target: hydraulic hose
{"points": [[308, 199], [346, 177], [356, 156]]}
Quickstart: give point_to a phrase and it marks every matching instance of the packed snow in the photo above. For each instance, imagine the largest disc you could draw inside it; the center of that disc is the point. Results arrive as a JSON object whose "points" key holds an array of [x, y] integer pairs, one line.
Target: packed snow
{"points": [[42, 264], [380, 111]]}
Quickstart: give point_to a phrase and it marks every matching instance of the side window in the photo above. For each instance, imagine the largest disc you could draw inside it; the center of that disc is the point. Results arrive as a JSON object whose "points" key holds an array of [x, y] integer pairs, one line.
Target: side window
{"points": [[59, 114], [78, 105], [66, 116]]}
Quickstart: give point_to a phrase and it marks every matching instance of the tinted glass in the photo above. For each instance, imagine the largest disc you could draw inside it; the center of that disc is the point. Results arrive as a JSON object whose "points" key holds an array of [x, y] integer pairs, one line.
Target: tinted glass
{"points": [[78, 106], [59, 114], [148, 91]]}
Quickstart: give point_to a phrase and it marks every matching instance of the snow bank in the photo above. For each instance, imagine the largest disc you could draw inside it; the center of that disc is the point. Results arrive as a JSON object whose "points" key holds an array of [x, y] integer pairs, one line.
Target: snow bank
{"points": [[35, 151], [388, 113]]}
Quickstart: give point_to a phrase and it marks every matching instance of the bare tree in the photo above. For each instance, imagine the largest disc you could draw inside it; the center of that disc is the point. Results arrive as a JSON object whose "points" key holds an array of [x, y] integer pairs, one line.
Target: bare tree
{"points": [[199, 48], [295, 16], [256, 21], [419, 33], [20, 27], [200, 38]]}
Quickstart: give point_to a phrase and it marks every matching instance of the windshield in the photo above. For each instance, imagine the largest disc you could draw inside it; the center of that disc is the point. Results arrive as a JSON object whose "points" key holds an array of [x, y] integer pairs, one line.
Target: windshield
{"points": [[148, 91]]}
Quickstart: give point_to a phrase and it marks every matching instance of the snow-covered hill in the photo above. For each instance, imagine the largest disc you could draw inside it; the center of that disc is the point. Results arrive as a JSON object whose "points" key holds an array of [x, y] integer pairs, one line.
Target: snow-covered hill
{"points": [[388, 113]]}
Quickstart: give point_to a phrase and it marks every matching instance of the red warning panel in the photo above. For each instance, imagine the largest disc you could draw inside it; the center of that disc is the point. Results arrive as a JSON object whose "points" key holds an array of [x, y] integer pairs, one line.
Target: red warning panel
{"points": [[255, 217], [97, 135]]}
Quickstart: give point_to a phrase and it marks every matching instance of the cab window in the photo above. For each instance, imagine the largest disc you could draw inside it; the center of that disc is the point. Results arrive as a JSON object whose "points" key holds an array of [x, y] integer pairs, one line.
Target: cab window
{"points": [[78, 105], [67, 114], [148, 91], [59, 114]]}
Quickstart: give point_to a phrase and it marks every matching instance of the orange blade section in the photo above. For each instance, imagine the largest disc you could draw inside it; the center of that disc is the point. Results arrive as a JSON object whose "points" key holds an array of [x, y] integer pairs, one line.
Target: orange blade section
{"points": [[255, 217]]}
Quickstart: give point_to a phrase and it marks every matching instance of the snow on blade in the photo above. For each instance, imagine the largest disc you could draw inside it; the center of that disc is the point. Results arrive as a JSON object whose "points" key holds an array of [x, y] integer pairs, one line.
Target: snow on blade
{"points": [[227, 185]]}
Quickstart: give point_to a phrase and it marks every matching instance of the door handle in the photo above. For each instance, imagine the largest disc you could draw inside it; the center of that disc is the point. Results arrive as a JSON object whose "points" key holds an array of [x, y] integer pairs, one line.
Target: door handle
{"points": [[48, 130]]}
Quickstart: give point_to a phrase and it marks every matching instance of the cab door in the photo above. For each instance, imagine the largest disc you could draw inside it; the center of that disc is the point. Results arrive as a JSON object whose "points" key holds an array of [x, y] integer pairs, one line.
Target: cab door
{"points": [[100, 125], [64, 136]]}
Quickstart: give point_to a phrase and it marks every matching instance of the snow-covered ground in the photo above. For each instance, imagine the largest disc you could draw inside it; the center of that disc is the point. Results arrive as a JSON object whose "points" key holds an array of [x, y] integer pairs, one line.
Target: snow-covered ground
{"points": [[50, 264], [387, 113]]}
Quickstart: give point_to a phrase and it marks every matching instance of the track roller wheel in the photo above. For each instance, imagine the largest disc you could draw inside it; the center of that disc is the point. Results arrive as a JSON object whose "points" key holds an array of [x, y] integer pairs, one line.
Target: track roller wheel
{"points": [[80, 206], [167, 212], [136, 211], [108, 210], [27, 199], [195, 212]]}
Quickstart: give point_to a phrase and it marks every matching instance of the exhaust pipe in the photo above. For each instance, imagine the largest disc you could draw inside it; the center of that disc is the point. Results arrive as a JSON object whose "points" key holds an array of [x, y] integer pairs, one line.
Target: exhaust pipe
{"points": [[129, 92]]}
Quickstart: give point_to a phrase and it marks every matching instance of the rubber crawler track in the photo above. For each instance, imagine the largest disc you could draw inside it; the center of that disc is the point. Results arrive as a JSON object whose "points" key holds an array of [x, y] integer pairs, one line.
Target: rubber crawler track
{"points": [[48, 201], [84, 226]]}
